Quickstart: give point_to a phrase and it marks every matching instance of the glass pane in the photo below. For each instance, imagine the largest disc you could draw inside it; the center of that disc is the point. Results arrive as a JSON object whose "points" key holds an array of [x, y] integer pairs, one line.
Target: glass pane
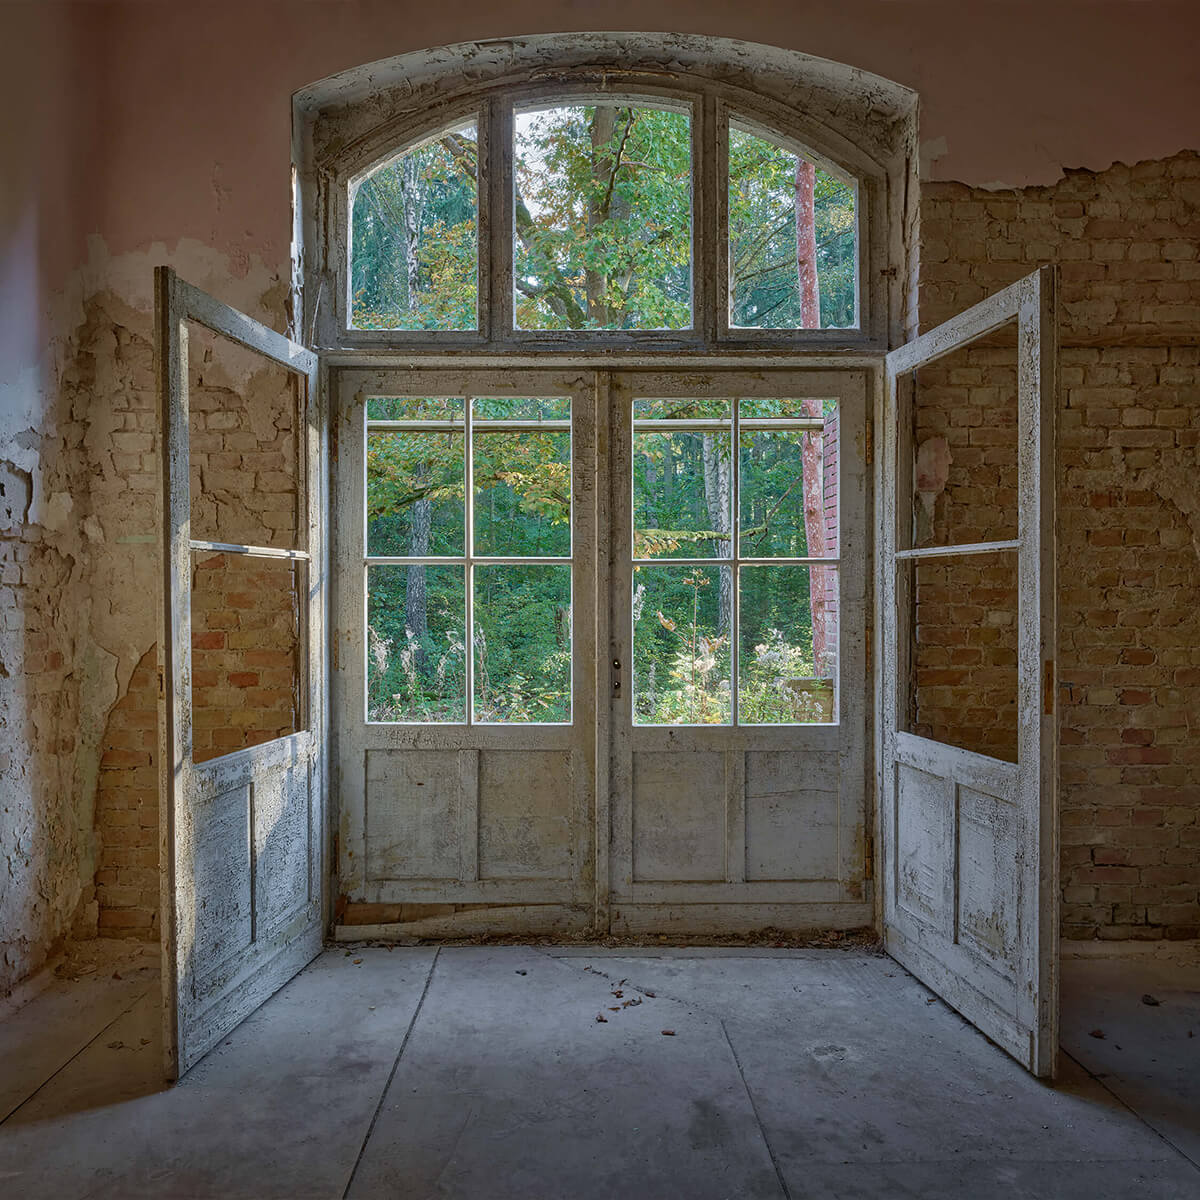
{"points": [[523, 644], [681, 408], [963, 619], [415, 408], [682, 493], [787, 653], [681, 656], [415, 238], [965, 444], [415, 493], [772, 283], [523, 493], [788, 494], [247, 461], [603, 218], [522, 408], [246, 663], [416, 654]]}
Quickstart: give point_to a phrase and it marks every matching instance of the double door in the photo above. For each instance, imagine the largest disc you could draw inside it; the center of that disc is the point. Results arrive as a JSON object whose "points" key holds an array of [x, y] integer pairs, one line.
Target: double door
{"points": [[600, 650], [600, 659]]}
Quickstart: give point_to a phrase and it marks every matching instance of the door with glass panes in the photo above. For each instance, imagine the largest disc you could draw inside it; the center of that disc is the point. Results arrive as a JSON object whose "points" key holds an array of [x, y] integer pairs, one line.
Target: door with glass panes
{"points": [[738, 637], [464, 667]]}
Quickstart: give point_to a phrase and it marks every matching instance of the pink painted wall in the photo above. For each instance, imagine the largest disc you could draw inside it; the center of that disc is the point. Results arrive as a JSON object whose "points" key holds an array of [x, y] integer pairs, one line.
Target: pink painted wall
{"points": [[172, 119]]}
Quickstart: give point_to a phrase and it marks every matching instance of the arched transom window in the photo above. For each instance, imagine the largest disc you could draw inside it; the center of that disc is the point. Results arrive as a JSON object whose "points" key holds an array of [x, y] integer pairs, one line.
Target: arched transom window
{"points": [[584, 205]]}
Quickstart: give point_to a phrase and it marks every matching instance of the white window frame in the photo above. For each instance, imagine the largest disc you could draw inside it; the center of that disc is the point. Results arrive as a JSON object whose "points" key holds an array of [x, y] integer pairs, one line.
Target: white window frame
{"points": [[327, 185]]}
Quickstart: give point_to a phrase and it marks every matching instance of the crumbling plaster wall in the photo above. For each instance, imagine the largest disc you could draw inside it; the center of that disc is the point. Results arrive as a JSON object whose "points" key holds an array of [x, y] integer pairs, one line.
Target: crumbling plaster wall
{"points": [[160, 133]]}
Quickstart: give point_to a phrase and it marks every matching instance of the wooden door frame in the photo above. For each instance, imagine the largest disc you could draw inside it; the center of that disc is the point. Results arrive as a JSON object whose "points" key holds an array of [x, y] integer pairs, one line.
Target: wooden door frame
{"points": [[353, 736], [824, 903]]}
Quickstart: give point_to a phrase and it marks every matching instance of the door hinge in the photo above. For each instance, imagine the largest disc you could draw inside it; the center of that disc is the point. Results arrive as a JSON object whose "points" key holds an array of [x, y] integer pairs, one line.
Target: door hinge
{"points": [[162, 684], [869, 857], [1048, 688], [870, 647], [335, 650], [870, 446], [333, 440]]}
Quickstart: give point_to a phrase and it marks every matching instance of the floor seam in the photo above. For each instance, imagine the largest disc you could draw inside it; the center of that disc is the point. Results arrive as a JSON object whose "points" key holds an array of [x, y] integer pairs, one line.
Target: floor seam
{"points": [[785, 1191], [1158, 1133], [392, 1074], [783, 1187], [55, 1074]]}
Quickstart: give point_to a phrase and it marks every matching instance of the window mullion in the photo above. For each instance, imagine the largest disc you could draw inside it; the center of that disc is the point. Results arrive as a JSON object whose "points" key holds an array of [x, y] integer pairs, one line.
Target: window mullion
{"points": [[735, 547], [500, 225], [469, 553], [706, 221]]}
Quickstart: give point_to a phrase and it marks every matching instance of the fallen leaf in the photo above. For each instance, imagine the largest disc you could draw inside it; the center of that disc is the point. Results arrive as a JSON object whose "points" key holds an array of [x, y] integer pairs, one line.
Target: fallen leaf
{"points": [[1097, 1033], [650, 994], [357, 961], [616, 1008], [117, 975], [601, 1018], [668, 1033], [1150, 1000], [617, 993]]}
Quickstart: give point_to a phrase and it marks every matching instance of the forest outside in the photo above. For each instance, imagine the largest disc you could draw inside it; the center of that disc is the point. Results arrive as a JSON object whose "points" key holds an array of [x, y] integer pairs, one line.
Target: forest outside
{"points": [[602, 229], [739, 578], [684, 570]]}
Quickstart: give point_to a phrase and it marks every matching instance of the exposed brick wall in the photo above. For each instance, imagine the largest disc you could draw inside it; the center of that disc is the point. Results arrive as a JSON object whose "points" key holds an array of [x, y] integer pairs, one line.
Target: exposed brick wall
{"points": [[1129, 512], [245, 653], [964, 429]]}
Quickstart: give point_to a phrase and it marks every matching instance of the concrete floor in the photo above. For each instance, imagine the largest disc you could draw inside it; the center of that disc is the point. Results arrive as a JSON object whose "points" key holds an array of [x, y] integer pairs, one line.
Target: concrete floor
{"points": [[484, 1072]]}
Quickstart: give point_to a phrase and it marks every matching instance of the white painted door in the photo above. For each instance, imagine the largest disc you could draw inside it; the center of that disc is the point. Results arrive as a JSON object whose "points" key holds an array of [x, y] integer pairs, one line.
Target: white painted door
{"points": [[739, 554], [967, 731], [242, 641], [464, 677]]}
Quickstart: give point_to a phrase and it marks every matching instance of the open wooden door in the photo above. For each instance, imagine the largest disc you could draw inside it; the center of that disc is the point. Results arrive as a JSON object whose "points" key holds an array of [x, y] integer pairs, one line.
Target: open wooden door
{"points": [[242, 643], [967, 735]]}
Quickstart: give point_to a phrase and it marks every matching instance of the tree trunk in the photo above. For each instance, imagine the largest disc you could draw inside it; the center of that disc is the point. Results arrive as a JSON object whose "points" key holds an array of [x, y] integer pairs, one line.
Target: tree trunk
{"points": [[416, 599], [414, 210], [716, 501], [604, 125], [806, 244], [811, 456]]}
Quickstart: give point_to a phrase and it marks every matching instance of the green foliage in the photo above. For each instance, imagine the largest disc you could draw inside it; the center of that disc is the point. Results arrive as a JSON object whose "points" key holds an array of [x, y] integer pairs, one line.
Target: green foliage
{"points": [[603, 218], [762, 239], [602, 228], [415, 239]]}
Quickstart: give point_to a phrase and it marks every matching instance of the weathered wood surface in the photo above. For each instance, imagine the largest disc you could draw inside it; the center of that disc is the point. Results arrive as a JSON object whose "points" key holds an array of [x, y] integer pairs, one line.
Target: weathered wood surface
{"points": [[241, 836], [969, 844], [465, 813], [744, 818]]}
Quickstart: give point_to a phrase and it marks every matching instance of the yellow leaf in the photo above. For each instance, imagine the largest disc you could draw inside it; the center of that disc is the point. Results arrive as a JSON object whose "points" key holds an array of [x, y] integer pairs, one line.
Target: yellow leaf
{"points": [[666, 622]]}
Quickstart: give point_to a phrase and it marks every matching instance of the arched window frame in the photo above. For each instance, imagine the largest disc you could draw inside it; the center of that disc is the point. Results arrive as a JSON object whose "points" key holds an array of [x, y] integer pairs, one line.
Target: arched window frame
{"points": [[350, 126]]}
